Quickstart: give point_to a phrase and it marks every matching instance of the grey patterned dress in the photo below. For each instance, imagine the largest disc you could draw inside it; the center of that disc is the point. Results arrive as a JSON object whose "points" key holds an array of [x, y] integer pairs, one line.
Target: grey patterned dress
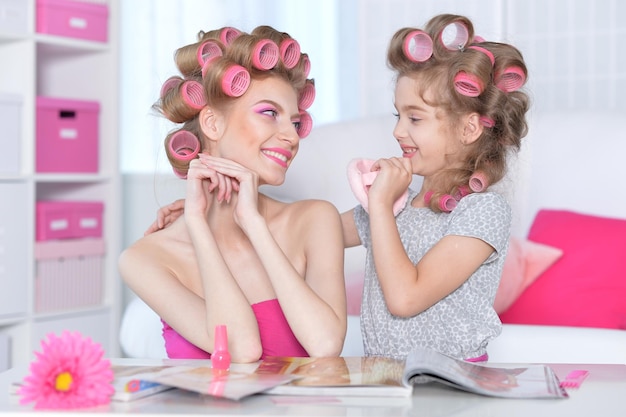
{"points": [[463, 322]]}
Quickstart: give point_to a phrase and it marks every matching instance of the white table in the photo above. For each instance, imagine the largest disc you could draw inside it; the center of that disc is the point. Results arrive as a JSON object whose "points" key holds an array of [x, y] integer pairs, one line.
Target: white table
{"points": [[601, 394]]}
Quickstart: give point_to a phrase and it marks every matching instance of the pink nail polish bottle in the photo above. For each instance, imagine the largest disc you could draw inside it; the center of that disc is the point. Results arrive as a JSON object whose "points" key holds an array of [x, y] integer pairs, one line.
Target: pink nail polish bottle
{"points": [[220, 358]]}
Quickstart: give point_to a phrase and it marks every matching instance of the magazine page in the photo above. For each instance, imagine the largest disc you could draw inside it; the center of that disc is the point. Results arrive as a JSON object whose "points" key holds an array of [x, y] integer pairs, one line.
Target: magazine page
{"points": [[129, 384], [218, 383], [533, 381], [338, 376]]}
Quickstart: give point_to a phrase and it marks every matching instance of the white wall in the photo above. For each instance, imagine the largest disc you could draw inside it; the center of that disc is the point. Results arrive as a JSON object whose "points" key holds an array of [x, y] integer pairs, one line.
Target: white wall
{"points": [[571, 47]]}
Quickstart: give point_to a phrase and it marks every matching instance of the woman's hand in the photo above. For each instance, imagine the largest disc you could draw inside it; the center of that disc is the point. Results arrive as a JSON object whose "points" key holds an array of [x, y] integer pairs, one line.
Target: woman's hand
{"points": [[244, 181]]}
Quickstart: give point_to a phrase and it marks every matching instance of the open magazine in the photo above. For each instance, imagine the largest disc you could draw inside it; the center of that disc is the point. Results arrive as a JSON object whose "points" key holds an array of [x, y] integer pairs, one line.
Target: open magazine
{"points": [[379, 376], [132, 382]]}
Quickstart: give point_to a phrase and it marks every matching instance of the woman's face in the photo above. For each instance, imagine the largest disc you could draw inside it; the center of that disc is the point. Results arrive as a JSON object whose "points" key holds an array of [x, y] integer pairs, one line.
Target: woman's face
{"points": [[259, 129], [423, 132]]}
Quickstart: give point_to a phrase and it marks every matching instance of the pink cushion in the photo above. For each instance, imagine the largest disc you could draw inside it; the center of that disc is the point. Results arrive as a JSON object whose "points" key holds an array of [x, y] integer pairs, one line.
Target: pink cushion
{"points": [[586, 287], [524, 263], [354, 293]]}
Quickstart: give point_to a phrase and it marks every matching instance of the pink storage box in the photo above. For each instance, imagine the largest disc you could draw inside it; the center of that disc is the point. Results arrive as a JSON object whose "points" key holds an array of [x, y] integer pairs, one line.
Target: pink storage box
{"points": [[68, 219], [67, 135], [69, 274], [74, 19]]}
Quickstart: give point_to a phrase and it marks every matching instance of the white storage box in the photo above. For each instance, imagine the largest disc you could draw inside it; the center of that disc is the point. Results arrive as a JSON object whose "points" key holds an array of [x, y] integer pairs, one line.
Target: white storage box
{"points": [[10, 120], [13, 16], [69, 274]]}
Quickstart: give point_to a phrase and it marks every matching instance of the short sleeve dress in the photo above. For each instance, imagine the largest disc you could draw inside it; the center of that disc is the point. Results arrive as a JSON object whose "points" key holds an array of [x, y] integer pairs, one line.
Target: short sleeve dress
{"points": [[462, 323]]}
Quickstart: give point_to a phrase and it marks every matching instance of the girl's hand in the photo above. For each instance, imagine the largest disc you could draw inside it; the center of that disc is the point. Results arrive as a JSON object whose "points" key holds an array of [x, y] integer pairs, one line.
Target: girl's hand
{"points": [[394, 177], [166, 215]]}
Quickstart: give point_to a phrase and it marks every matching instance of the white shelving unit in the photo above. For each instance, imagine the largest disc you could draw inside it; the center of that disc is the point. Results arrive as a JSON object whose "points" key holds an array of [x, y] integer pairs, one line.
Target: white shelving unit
{"points": [[35, 64]]}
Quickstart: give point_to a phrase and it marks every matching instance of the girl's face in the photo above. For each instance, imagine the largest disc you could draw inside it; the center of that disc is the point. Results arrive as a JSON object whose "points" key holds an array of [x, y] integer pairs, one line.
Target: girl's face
{"points": [[423, 131], [259, 129]]}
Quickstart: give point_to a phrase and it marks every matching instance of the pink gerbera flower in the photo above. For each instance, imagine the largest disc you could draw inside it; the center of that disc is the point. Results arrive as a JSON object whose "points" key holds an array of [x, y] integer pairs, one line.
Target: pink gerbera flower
{"points": [[69, 372]]}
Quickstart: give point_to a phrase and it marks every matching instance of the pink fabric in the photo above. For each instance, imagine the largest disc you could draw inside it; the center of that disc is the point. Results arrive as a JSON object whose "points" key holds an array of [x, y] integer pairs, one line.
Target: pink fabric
{"points": [[277, 338], [360, 178], [586, 286]]}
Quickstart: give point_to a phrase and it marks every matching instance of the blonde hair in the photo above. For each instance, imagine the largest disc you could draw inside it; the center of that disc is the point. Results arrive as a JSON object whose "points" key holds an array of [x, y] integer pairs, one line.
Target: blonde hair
{"points": [[502, 109], [203, 66]]}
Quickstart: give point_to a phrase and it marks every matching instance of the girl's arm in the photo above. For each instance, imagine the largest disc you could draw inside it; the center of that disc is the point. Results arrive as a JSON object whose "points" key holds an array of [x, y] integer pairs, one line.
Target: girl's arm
{"points": [[410, 289]]}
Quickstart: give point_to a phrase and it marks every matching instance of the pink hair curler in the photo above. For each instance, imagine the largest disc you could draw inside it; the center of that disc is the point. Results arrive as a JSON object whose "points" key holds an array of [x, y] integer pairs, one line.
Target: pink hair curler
{"points": [[427, 197], [454, 36], [478, 182], [207, 52], [169, 84], [265, 54], [418, 46], [180, 174], [228, 35], [184, 145], [307, 65], [478, 39], [307, 96], [461, 192], [193, 94], [510, 79], [305, 125], [447, 203], [487, 121], [220, 358], [468, 84], [486, 52], [235, 81], [290, 52]]}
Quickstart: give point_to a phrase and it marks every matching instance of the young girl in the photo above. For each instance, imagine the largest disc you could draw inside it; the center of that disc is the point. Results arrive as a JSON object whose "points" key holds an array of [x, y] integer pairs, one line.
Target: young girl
{"points": [[433, 267], [271, 272], [432, 271]]}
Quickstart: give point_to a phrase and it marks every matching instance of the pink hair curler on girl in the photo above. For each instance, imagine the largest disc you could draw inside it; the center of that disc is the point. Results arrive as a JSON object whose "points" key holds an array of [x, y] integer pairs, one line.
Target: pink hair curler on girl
{"points": [[454, 36], [307, 96], [207, 53], [265, 55], [447, 203], [305, 125], [361, 177], [235, 81], [290, 52], [461, 192], [228, 35], [418, 46], [184, 145], [478, 182], [468, 84], [169, 84], [487, 121], [510, 79], [486, 52], [428, 195], [193, 95]]}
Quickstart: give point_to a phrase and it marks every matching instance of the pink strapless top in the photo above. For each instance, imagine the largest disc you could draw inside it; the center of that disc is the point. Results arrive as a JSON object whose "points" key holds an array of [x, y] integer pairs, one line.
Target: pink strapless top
{"points": [[277, 338]]}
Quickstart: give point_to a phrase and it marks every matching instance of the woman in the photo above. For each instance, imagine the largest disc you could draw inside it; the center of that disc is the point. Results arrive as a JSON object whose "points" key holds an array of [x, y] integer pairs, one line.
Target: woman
{"points": [[272, 272]]}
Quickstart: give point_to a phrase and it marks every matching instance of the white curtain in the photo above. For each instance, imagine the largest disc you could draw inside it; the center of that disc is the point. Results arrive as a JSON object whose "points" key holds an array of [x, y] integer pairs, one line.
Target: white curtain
{"points": [[151, 30]]}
